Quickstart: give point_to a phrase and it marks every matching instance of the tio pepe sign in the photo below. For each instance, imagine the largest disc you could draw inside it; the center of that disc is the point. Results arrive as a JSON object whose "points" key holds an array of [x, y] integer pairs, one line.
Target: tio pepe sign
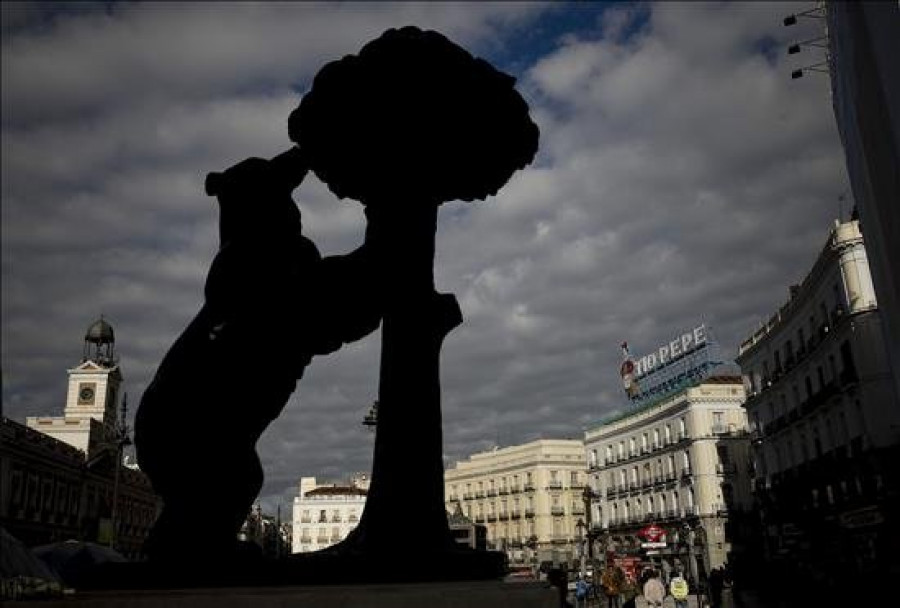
{"points": [[675, 349]]}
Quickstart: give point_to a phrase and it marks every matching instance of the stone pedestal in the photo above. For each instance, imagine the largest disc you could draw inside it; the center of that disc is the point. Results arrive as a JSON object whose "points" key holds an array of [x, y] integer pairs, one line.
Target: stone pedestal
{"points": [[477, 594]]}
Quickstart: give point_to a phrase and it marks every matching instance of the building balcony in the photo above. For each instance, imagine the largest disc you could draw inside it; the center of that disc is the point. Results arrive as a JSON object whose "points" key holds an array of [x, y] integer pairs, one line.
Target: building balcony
{"points": [[686, 475], [515, 514], [515, 489], [557, 510], [529, 512], [492, 517], [479, 494], [306, 520], [336, 520], [610, 492], [306, 540], [467, 496], [322, 540], [578, 509], [528, 487], [479, 519], [335, 539], [555, 485], [352, 519], [576, 485], [491, 493], [503, 491], [503, 517]]}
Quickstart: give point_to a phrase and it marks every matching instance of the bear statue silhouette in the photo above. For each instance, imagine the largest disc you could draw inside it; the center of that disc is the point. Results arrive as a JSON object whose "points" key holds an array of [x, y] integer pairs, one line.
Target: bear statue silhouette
{"points": [[271, 304]]}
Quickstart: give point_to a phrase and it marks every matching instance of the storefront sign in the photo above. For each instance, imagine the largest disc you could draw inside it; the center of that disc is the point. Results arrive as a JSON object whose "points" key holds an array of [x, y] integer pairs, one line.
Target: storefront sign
{"points": [[869, 516], [652, 545]]}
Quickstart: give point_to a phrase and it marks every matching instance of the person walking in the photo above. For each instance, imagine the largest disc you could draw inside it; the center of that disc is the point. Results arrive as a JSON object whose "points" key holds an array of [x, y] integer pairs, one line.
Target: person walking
{"points": [[654, 591], [581, 592], [612, 580], [679, 589]]}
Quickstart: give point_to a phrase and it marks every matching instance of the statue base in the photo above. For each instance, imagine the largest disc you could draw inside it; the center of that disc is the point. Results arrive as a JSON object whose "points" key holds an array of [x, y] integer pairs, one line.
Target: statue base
{"points": [[318, 568], [465, 594]]}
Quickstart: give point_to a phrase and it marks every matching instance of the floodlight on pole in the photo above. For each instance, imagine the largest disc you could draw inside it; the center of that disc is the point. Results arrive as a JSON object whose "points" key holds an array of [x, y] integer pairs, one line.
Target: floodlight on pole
{"points": [[816, 67], [813, 42], [817, 12]]}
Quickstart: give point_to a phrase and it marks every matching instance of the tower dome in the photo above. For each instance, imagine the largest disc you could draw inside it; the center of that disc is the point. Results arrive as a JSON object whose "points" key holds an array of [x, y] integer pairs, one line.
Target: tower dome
{"points": [[100, 332], [99, 342]]}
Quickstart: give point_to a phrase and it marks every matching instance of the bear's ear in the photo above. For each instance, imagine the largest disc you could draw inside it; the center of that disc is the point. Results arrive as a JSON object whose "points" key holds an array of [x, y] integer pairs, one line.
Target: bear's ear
{"points": [[214, 183]]}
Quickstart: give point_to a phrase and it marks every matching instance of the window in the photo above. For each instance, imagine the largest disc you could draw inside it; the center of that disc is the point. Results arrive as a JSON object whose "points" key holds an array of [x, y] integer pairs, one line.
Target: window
{"points": [[655, 438], [593, 458], [322, 516], [631, 447], [668, 433]]}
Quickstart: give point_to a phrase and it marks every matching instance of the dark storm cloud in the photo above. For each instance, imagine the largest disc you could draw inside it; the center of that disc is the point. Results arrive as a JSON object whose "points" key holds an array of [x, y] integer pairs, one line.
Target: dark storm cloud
{"points": [[682, 177]]}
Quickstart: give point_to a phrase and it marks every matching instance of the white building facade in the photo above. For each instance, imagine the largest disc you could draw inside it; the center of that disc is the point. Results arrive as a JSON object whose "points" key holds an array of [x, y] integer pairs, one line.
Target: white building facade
{"points": [[529, 497], [679, 463], [825, 418], [324, 515]]}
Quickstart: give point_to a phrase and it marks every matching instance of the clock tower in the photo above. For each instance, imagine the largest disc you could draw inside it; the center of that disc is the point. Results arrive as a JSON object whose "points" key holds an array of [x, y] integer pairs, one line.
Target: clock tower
{"points": [[90, 415], [94, 383]]}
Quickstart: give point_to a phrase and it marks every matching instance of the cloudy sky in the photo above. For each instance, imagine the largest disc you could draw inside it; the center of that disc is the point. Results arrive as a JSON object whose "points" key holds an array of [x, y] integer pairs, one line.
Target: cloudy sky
{"points": [[682, 177]]}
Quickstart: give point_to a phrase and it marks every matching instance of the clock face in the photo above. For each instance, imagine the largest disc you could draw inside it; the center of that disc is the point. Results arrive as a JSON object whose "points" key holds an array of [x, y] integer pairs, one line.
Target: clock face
{"points": [[86, 394]]}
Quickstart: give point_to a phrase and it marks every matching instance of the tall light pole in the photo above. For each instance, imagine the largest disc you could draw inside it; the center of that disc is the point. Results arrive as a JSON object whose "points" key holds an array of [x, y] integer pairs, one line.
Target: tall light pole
{"points": [[120, 440], [580, 529]]}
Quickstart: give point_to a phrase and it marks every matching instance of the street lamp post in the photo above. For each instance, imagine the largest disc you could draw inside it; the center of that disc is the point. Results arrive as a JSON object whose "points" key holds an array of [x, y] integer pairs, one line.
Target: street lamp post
{"points": [[120, 441], [580, 529]]}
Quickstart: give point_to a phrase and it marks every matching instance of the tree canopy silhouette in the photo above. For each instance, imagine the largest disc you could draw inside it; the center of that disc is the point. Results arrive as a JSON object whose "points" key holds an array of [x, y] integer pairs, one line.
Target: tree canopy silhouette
{"points": [[414, 115]]}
